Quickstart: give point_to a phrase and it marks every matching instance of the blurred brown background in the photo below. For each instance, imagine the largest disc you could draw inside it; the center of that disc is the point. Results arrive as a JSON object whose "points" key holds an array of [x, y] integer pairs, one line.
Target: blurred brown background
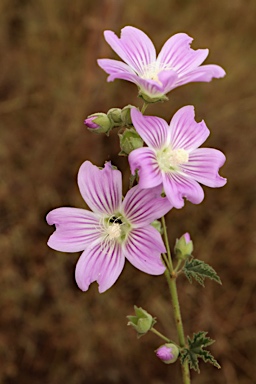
{"points": [[51, 332]]}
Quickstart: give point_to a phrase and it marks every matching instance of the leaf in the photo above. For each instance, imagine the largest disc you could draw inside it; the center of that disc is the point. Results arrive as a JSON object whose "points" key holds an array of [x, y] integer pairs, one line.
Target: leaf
{"points": [[196, 350], [199, 270]]}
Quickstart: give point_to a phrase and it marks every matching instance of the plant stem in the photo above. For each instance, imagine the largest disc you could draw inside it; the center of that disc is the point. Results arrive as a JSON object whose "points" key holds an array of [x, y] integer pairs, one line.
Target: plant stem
{"points": [[171, 280], [160, 335], [144, 107]]}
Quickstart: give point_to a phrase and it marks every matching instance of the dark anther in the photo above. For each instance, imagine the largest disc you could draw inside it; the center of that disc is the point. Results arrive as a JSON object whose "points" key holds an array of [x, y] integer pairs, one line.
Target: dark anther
{"points": [[115, 220]]}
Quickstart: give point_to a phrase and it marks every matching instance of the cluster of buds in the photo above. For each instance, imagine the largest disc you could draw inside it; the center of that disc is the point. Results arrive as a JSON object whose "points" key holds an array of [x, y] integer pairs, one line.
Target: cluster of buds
{"points": [[103, 122]]}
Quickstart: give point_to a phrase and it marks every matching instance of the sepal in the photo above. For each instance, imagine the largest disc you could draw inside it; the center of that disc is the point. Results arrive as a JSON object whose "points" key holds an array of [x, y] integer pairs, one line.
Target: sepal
{"points": [[129, 140], [142, 322]]}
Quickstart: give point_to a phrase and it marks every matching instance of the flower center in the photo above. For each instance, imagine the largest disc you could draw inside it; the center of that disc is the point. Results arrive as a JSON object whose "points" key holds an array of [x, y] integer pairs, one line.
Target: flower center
{"points": [[170, 159], [151, 71], [113, 231]]}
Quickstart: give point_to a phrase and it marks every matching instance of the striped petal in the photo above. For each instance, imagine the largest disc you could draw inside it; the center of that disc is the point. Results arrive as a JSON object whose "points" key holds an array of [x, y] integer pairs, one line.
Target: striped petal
{"points": [[143, 249], [100, 188], [76, 229], [102, 263]]}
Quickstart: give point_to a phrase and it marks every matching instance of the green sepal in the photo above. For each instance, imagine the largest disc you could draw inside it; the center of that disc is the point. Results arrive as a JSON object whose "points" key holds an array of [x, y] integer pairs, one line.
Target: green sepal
{"points": [[158, 226], [199, 270], [196, 350], [142, 322], [129, 140], [149, 99]]}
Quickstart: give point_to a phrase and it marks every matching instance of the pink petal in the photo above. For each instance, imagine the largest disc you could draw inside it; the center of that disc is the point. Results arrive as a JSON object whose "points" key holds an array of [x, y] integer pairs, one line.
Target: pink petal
{"points": [[134, 47], [186, 133], [204, 165], [177, 54], [118, 70], [102, 263], [100, 188], [153, 130], [76, 229], [143, 249], [177, 186], [143, 206], [144, 159], [204, 73]]}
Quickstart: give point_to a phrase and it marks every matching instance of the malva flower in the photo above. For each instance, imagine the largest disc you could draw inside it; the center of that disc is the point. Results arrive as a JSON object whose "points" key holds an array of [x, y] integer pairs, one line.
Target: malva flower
{"points": [[173, 159], [113, 231], [155, 76]]}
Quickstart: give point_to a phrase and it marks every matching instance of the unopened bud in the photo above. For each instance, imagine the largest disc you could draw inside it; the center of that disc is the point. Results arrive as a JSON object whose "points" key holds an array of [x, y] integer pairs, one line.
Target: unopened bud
{"points": [[142, 322], [183, 247], [126, 115], [168, 353], [98, 123], [129, 140], [114, 114]]}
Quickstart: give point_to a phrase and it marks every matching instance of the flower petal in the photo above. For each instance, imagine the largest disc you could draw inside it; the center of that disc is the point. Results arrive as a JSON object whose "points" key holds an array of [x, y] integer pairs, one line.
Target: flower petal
{"points": [[177, 54], [118, 70], [144, 159], [102, 263], [177, 186], [204, 165], [100, 188], [153, 130], [143, 206], [143, 249], [186, 133], [204, 73], [134, 47], [76, 229]]}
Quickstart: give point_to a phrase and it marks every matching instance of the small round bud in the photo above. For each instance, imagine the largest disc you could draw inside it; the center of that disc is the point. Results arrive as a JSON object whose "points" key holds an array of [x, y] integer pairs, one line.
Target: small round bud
{"points": [[168, 353], [114, 114], [129, 140], [183, 247], [98, 123]]}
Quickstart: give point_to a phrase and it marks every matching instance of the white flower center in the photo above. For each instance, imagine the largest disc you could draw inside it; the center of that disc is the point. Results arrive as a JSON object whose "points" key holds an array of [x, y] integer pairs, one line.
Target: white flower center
{"points": [[151, 71], [170, 159], [113, 231]]}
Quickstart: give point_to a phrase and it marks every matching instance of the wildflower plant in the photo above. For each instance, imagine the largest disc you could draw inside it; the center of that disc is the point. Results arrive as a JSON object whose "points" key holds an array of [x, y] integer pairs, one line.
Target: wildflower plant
{"points": [[167, 166]]}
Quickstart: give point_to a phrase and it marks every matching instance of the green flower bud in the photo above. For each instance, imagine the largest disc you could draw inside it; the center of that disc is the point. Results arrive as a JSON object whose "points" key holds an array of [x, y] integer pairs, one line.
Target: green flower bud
{"points": [[98, 123], [183, 247], [142, 322], [158, 226], [114, 114], [168, 353], [126, 115], [129, 140]]}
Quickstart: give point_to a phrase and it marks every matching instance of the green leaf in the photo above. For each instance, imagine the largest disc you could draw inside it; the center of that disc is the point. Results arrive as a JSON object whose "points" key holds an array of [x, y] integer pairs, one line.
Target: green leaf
{"points": [[196, 350], [199, 270]]}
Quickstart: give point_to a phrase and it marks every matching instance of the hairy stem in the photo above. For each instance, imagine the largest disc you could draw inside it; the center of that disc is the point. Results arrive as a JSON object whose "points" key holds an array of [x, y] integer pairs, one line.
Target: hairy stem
{"points": [[171, 280]]}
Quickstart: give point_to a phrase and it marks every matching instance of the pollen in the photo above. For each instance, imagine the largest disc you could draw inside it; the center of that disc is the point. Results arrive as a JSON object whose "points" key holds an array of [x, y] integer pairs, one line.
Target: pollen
{"points": [[170, 159]]}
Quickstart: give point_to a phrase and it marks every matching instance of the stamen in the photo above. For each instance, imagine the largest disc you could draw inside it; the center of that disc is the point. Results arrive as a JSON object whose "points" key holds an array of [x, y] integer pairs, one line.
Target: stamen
{"points": [[169, 160]]}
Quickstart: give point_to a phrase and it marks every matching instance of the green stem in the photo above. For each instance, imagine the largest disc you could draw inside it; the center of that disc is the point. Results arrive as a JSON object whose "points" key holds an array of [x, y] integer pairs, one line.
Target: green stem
{"points": [[171, 280], [144, 107], [160, 335]]}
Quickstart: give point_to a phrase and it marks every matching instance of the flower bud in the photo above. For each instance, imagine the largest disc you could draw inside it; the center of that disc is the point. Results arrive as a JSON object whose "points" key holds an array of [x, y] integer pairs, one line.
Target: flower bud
{"points": [[168, 353], [183, 247], [114, 114], [142, 322], [126, 115], [129, 140], [157, 225], [98, 123]]}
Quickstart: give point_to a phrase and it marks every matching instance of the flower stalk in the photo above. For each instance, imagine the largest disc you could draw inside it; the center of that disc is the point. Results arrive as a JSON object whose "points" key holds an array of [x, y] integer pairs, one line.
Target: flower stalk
{"points": [[171, 280]]}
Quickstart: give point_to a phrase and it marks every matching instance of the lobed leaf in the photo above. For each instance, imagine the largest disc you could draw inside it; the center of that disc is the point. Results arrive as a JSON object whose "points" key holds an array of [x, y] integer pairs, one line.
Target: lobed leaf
{"points": [[199, 270]]}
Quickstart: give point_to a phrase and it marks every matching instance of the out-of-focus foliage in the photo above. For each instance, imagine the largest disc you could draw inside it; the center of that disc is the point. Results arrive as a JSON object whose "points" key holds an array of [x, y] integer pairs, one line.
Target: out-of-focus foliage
{"points": [[49, 82]]}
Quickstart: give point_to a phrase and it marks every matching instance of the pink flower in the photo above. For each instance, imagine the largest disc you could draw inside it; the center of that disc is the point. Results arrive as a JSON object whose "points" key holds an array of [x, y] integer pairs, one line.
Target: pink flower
{"points": [[168, 353], [173, 159], [176, 64], [113, 231]]}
